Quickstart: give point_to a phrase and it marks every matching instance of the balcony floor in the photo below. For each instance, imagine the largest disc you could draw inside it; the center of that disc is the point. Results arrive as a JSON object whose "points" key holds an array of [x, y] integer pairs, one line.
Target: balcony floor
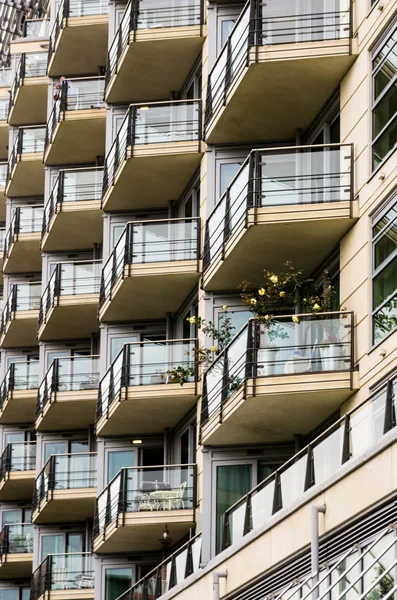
{"points": [[70, 505], [16, 566], [72, 594], [17, 403], [27, 178], [68, 411], [17, 485], [21, 332], [30, 102], [71, 317], [77, 226], [24, 255]]}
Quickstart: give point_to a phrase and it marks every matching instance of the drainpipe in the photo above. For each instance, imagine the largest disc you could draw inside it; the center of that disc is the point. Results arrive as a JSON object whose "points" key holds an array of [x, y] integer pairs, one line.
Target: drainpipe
{"points": [[215, 583], [315, 546]]}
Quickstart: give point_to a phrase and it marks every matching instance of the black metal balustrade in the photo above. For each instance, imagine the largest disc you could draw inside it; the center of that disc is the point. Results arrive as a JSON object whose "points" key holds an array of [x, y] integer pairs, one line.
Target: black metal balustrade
{"points": [[18, 457], [30, 65], [16, 538], [20, 376], [26, 219], [73, 571], [23, 296], [29, 140]]}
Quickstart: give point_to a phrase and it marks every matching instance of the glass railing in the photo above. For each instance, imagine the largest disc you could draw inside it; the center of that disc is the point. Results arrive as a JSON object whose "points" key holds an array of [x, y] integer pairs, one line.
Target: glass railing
{"points": [[23, 296], [4, 106], [65, 472], [28, 140], [70, 279], [6, 77], [26, 219], [72, 571], [3, 174], [73, 185], [270, 23], [16, 538], [17, 457], [20, 376], [311, 343], [280, 177], [148, 242], [149, 14], [30, 65], [146, 489], [36, 28], [2, 239], [145, 363], [153, 123]]}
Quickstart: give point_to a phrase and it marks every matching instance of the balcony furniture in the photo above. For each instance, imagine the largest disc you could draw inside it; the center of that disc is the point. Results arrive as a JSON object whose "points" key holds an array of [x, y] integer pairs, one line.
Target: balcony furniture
{"points": [[84, 581], [163, 499]]}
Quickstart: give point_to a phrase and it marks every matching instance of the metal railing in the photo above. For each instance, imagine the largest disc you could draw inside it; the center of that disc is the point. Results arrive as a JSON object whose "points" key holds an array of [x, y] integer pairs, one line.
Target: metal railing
{"points": [[17, 457], [74, 374], [36, 28], [28, 140], [146, 489], [141, 14], [20, 376], [152, 123], [16, 538], [145, 363], [65, 472], [280, 177], [173, 570], [71, 571], [271, 23], [26, 219], [321, 342], [70, 279], [151, 243], [4, 106], [73, 185], [3, 174], [23, 296], [30, 65]]}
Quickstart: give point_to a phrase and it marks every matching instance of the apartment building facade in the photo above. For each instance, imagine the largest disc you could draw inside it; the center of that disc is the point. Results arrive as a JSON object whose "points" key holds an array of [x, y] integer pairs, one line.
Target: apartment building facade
{"points": [[167, 430]]}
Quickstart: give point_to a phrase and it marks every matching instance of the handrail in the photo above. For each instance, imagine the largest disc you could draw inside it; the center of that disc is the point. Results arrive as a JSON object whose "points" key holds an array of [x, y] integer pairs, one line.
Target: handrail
{"points": [[18, 456], [29, 381], [11, 305]]}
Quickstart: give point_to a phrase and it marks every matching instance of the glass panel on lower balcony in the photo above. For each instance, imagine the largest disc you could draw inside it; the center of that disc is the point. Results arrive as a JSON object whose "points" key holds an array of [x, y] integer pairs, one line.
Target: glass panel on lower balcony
{"points": [[134, 508], [300, 365], [25, 176], [142, 387], [159, 257], [155, 141], [65, 490], [22, 243], [68, 394], [36, 28], [18, 392], [67, 576], [16, 549], [20, 316], [17, 471]]}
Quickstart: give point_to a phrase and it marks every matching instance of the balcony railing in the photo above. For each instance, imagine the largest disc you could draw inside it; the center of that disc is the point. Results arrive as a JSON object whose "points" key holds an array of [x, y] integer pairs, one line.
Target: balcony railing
{"points": [[29, 140], [70, 279], [150, 15], [26, 219], [30, 65], [23, 296], [16, 538], [65, 472], [140, 489], [152, 123], [6, 76], [145, 363], [75, 374], [3, 174], [36, 28], [4, 105], [17, 457], [72, 571], [169, 573], [271, 23], [149, 242], [20, 376], [315, 343], [283, 177], [77, 185], [2, 238]]}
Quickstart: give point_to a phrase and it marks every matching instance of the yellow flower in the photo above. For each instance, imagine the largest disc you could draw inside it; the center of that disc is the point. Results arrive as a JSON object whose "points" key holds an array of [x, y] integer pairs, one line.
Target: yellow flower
{"points": [[267, 317], [274, 279], [192, 320], [316, 306], [261, 291], [295, 319], [213, 348], [253, 300], [224, 307], [282, 294]]}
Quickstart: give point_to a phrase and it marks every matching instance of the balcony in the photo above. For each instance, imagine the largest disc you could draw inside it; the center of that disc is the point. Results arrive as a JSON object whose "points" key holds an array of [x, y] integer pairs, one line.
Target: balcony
{"points": [[73, 216], [64, 577], [28, 94], [151, 260], [76, 127], [134, 508], [17, 471], [20, 316], [278, 68], [279, 197], [78, 40], [70, 301], [137, 393], [65, 490], [4, 127], [22, 242], [156, 143], [68, 394], [18, 392], [36, 28], [3, 180], [2, 239], [154, 50], [25, 176], [301, 368], [16, 550]]}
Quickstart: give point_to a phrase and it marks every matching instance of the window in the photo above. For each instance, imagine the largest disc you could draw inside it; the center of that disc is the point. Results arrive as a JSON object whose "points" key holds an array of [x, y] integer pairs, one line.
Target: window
{"points": [[227, 172], [384, 273], [119, 459], [384, 99], [232, 482], [117, 581]]}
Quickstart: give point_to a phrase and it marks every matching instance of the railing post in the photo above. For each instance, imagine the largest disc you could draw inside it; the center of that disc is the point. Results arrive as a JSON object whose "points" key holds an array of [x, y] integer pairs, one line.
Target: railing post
{"points": [[346, 440], [64, 99], [206, 253], [226, 228], [225, 383], [390, 416], [278, 497], [60, 191], [51, 478], [204, 401], [11, 383], [310, 473], [248, 515], [22, 67]]}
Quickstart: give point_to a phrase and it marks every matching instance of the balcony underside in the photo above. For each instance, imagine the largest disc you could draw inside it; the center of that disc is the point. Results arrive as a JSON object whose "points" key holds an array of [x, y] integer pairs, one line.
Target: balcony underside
{"points": [[156, 62], [27, 178], [24, 255], [4, 131], [306, 232], [71, 317], [21, 331], [70, 505], [2, 204], [79, 138], [30, 102], [285, 89], [148, 409], [16, 566], [69, 410], [150, 291], [17, 403], [72, 594], [81, 46], [17, 485], [277, 408], [141, 531], [156, 174], [77, 226]]}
